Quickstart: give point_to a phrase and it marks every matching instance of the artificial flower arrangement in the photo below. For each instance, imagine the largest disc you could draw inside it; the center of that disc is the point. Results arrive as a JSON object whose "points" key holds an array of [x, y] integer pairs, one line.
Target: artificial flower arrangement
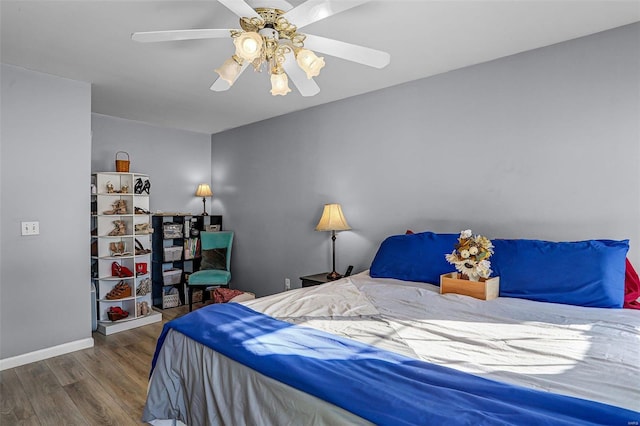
{"points": [[471, 256]]}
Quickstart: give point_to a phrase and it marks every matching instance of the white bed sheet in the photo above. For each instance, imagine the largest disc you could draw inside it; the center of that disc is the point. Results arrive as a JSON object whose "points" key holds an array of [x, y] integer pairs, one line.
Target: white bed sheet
{"points": [[588, 353], [591, 353]]}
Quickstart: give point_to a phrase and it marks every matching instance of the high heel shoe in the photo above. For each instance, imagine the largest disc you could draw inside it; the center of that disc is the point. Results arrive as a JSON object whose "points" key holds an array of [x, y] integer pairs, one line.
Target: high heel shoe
{"points": [[115, 249], [142, 309], [116, 313], [122, 247], [120, 271], [141, 269], [119, 207], [120, 291], [140, 248], [142, 229], [118, 249], [137, 189], [144, 287], [146, 187], [139, 210], [120, 228]]}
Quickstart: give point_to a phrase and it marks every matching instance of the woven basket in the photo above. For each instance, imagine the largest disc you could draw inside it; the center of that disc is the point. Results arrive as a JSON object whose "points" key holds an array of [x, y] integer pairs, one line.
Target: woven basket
{"points": [[170, 301], [122, 165]]}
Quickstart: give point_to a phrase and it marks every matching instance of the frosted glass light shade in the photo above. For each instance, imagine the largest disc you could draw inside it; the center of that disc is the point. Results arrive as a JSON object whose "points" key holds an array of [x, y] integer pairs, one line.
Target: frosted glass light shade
{"points": [[229, 70], [279, 84], [309, 62], [203, 190], [248, 45], [332, 219]]}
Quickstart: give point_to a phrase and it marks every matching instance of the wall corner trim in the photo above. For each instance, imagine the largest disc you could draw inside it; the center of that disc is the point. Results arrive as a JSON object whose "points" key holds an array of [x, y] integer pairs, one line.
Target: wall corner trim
{"points": [[46, 353]]}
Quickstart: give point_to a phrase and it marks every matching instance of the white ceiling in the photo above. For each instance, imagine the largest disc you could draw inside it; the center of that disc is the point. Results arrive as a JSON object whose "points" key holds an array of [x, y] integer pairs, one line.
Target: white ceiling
{"points": [[168, 83]]}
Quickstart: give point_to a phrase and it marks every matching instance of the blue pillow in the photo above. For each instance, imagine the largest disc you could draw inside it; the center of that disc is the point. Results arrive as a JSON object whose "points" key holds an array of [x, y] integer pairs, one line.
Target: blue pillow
{"points": [[584, 273], [414, 257]]}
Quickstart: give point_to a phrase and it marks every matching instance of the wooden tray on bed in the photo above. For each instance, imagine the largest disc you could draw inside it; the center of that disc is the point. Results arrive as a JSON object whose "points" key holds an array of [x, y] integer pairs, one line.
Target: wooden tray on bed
{"points": [[485, 289]]}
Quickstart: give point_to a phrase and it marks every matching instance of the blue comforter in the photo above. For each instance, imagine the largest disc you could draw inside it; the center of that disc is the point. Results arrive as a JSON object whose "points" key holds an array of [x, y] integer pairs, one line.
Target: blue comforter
{"points": [[383, 387]]}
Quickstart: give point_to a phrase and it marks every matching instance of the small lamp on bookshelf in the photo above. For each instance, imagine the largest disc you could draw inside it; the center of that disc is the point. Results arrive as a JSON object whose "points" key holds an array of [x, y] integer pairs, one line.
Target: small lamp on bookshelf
{"points": [[204, 191]]}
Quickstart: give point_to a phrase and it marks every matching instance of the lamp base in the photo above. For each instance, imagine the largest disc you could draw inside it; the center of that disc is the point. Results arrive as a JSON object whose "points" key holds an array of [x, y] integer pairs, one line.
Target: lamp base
{"points": [[204, 207], [334, 276]]}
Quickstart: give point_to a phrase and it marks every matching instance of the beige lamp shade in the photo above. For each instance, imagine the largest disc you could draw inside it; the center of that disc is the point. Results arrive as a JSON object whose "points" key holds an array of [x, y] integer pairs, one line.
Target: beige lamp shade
{"points": [[203, 190], [279, 84], [332, 219], [309, 62], [229, 71], [248, 45]]}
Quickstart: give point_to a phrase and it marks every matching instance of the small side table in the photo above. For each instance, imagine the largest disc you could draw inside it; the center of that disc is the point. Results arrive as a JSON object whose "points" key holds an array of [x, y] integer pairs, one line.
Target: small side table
{"points": [[311, 280]]}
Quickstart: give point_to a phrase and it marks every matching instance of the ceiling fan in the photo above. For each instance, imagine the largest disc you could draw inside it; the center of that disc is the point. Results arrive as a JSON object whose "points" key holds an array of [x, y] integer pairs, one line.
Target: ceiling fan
{"points": [[269, 39]]}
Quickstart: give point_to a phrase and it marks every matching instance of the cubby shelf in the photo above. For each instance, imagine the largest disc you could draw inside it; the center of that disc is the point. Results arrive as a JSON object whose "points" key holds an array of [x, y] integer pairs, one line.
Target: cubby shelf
{"points": [[172, 260], [114, 200]]}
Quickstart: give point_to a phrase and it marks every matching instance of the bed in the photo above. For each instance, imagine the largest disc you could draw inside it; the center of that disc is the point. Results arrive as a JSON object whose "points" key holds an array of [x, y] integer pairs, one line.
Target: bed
{"points": [[582, 362]]}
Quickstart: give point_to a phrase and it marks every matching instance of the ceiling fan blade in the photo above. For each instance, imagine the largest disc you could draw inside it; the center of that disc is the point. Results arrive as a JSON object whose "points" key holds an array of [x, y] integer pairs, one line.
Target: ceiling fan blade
{"points": [[315, 10], [240, 8], [350, 52], [220, 85], [306, 86], [151, 36]]}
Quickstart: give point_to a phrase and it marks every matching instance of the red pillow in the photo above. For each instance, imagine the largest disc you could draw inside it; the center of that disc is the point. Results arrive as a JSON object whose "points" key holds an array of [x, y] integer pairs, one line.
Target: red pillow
{"points": [[631, 288]]}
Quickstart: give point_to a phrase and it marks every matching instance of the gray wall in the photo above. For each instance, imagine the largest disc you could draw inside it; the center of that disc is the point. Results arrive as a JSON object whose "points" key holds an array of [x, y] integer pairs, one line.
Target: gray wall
{"points": [[45, 156], [544, 144], [176, 160]]}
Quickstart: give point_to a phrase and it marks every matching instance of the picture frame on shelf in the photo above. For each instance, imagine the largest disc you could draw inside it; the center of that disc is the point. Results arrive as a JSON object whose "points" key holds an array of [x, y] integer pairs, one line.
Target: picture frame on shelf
{"points": [[212, 228]]}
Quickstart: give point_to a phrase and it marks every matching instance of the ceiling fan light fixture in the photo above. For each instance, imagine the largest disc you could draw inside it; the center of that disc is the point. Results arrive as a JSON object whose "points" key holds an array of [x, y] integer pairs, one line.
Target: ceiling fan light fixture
{"points": [[279, 84], [230, 69], [248, 45], [269, 40], [310, 63]]}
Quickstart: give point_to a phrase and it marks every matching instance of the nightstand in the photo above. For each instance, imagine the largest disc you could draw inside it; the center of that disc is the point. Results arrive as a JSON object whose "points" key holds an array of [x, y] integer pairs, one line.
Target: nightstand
{"points": [[311, 280]]}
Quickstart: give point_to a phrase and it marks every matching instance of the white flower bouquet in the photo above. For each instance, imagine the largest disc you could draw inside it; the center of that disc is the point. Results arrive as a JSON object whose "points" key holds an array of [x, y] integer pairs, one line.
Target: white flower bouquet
{"points": [[471, 256]]}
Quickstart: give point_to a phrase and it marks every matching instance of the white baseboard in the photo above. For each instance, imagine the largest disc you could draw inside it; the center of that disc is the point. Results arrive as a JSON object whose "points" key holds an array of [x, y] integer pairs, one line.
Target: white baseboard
{"points": [[46, 353]]}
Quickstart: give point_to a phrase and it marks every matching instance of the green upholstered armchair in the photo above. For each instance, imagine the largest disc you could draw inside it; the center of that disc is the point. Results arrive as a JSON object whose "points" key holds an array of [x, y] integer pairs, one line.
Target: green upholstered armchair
{"points": [[215, 265]]}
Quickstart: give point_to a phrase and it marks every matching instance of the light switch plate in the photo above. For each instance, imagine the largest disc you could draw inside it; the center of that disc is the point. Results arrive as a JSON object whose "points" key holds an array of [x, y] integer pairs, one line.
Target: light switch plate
{"points": [[30, 228]]}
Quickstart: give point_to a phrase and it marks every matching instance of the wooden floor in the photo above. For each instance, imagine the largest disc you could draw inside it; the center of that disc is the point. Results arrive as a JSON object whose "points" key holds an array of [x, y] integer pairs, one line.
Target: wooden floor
{"points": [[103, 385]]}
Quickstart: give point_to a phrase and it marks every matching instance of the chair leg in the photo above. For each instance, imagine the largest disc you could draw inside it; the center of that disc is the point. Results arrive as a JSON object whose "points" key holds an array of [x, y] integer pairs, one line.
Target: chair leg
{"points": [[190, 298]]}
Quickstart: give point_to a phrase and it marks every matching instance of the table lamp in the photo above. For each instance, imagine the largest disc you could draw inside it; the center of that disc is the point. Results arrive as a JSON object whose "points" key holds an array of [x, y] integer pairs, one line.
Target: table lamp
{"points": [[333, 220], [204, 191]]}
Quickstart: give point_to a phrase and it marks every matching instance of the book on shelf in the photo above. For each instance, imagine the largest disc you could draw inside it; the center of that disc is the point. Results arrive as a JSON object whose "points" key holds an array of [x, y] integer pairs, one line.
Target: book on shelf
{"points": [[191, 248]]}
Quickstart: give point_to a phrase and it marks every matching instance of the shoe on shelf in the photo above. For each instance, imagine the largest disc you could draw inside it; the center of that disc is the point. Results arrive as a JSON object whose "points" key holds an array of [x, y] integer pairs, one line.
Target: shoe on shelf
{"points": [[114, 248], [123, 250], [120, 291], [118, 249], [140, 248], [139, 210], [146, 186], [120, 271], [116, 313], [137, 189], [120, 228], [144, 287], [142, 229], [143, 309], [119, 207], [141, 269]]}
